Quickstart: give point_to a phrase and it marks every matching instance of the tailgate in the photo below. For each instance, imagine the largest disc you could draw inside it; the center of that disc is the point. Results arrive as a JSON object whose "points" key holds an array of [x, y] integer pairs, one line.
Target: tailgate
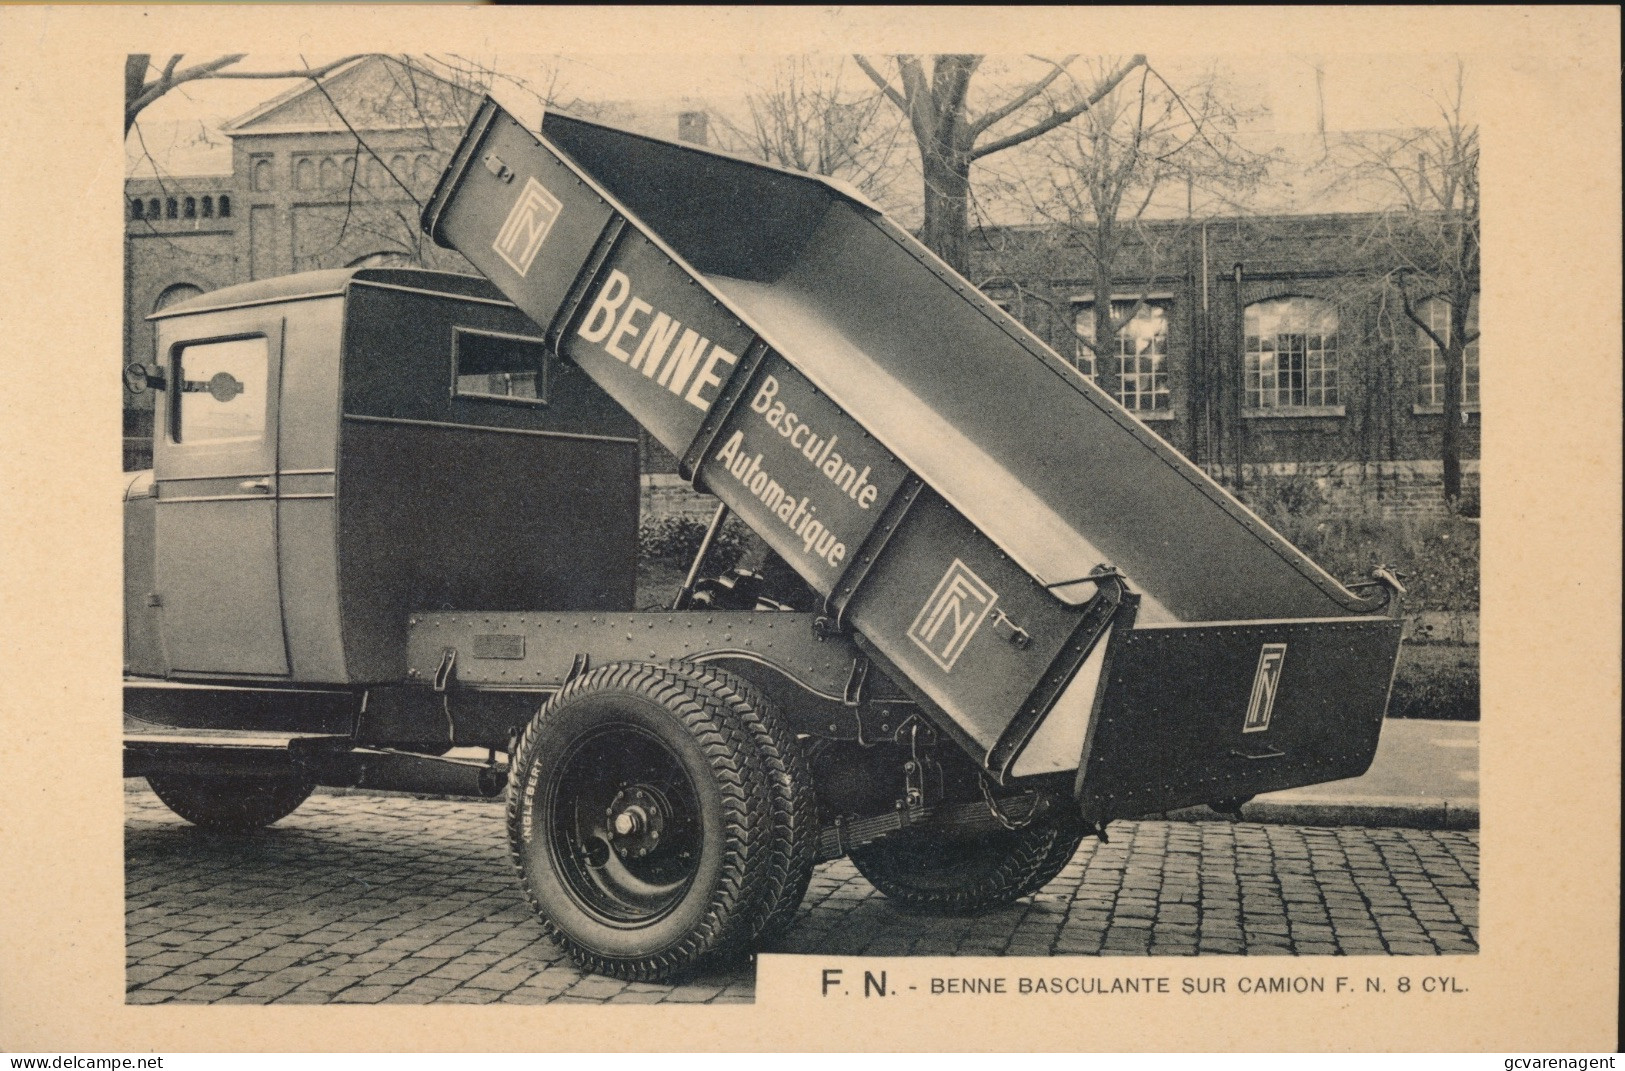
{"points": [[1198, 713]]}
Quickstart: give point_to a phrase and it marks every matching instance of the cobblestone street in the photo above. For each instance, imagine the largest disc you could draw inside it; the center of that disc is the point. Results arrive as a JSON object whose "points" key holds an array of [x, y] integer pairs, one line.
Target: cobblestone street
{"points": [[368, 899]]}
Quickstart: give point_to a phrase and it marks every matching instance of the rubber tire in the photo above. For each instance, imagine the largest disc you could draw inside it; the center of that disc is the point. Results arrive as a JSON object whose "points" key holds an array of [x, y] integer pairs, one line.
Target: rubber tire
{"points": [[931, 874], [707, 739], [231, 803], [795, 806]]}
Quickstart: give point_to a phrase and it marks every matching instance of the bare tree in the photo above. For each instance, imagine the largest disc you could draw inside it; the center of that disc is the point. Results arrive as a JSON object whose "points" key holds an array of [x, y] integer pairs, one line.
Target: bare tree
{"points": [[950, 138], [144, 82], [1136, 155], [1425, 243], [808, 117]]}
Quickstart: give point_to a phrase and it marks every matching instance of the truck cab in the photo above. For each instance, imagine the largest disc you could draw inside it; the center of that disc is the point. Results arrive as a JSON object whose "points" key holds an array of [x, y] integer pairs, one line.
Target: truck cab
{"points": [[335, 449]]}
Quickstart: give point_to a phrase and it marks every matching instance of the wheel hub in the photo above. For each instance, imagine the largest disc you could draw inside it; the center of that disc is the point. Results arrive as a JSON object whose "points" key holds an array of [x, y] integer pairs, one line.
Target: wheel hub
{"points": [[636, 818]]}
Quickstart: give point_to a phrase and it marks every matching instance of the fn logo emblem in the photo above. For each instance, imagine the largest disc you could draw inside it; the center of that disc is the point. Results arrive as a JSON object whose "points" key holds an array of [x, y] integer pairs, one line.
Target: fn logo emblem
{"points": [[952, 614], [1266, 681], [522, 235]]}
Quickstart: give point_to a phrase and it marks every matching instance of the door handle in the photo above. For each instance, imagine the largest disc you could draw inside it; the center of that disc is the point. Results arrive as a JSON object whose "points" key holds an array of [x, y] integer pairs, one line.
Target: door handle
{"points": [[263, 485]]}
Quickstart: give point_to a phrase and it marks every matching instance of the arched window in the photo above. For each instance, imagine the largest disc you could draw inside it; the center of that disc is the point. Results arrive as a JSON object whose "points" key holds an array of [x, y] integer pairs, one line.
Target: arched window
{"points": [[174, 295], [152, 209], [304, 175], [262, 174], [189, 210], [330, 173], [137, 206], [208, 206], [422, 171], [225, 205], [171, 208], [1291, 353]]}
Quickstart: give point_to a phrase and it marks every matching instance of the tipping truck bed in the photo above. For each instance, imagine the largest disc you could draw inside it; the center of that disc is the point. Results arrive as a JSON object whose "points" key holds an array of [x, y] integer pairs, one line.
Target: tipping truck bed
{"points": [[1063, 590]]}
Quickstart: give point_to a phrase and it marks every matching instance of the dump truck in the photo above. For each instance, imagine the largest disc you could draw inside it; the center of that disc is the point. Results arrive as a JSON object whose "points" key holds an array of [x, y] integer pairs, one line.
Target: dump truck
{"points": [[393, 516]]}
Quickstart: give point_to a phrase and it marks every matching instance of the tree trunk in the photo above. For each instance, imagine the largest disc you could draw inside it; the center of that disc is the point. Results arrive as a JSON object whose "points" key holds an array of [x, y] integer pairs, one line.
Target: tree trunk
{"points": [[947, 204], [1450, 448], [1107, 366]]}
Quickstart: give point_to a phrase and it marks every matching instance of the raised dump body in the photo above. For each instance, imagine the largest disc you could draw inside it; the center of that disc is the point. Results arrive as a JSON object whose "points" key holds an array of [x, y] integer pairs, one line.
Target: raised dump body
{"points": [[987, 522]]}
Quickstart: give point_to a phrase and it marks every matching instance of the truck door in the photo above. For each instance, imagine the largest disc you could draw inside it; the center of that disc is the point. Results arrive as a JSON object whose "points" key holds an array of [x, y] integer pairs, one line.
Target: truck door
{"points": [[215, 464]]}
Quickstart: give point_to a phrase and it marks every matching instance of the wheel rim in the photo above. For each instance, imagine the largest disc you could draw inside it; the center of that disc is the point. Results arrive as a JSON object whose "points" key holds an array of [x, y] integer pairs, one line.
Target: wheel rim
{"points": [[624, 823]]}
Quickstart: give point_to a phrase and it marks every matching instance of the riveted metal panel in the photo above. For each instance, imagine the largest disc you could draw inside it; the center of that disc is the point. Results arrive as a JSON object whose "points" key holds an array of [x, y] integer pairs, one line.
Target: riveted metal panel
{"points": [[538, 650], [801, 472], [1173, 728]]}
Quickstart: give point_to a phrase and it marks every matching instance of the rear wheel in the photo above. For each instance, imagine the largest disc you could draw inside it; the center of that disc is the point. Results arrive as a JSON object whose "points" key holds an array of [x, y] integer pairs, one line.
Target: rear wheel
{"points": [[794, 808], [639, 819], [941, 873], [231, 802]]}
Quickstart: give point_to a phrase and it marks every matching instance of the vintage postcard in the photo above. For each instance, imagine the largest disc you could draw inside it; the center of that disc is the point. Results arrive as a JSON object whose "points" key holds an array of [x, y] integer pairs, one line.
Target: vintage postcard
{"points": [[847, 528]]}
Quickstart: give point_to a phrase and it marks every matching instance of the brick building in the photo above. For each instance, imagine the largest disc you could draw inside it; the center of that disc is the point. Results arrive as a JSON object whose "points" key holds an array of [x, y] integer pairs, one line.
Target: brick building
{"points": [[320, 177], [1263, 350], [1264, 347]]}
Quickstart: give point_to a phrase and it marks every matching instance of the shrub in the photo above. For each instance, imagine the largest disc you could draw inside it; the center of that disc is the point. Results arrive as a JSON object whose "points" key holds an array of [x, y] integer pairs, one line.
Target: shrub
{"points": [[675, 540], [1436, 682], [1437, 556]]}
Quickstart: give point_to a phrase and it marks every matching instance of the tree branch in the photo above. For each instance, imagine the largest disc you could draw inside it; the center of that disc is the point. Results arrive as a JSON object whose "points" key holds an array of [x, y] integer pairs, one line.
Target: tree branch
{"points": [[883, 82], [1064, 116], [1021, 99]]}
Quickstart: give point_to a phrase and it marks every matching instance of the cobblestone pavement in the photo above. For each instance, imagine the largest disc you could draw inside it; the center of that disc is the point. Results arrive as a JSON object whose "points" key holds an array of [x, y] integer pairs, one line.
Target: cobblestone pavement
{"points": [[369, 899]]}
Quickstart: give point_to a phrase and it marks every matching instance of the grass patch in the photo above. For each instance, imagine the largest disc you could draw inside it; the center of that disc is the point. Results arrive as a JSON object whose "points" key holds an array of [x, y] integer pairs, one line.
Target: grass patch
{"points": [[1436, 681], [1437, 556]]}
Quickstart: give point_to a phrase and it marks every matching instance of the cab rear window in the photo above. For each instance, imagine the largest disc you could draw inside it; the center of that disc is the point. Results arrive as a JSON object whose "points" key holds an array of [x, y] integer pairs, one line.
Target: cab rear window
{"points": [[495, 366], [221, 390]]}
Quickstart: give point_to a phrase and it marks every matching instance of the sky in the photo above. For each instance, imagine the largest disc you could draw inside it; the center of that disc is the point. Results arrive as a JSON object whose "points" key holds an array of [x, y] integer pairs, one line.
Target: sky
{"points": [[1357, 92]]}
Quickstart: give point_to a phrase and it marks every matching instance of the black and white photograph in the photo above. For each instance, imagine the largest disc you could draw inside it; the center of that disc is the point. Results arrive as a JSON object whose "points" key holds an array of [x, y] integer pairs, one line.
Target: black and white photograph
{"points": [[924, 527]]}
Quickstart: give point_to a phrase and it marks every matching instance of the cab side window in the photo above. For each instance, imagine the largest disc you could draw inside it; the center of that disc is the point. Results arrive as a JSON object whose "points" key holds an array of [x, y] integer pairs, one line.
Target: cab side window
{"points": [[507, 367], [220, 391]]}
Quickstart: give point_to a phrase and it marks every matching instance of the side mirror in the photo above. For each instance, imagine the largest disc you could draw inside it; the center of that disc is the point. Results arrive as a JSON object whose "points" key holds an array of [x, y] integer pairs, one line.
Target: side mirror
{"points": [[139, 378]]}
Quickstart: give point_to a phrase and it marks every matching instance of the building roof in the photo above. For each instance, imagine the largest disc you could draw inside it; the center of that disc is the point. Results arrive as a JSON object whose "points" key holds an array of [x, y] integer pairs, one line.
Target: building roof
{"points": [[371, 92]]}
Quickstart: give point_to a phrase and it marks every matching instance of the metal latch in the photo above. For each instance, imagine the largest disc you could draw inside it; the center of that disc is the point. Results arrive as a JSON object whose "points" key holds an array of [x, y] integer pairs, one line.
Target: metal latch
{"points": [[1257, 756], [494, 164], [448, 665], [853, 693], [1012, 633]]}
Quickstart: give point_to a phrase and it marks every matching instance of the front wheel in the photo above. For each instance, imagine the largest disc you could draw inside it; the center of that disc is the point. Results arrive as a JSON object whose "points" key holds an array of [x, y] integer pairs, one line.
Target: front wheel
{"points": [[231, 802], [639, 819], [940, 873]]}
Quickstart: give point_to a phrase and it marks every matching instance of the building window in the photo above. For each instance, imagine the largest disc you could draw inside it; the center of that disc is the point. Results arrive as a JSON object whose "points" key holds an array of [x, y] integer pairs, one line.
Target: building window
{"points": [[1430, 375], [304, 175], [152, 208], [1140, 356], [329, 174], [137, 206], [262, 173], [506, 367], [174, 295], [208, 207], [171, 208], [189, 211], [225, 206], [1291, 354]]}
